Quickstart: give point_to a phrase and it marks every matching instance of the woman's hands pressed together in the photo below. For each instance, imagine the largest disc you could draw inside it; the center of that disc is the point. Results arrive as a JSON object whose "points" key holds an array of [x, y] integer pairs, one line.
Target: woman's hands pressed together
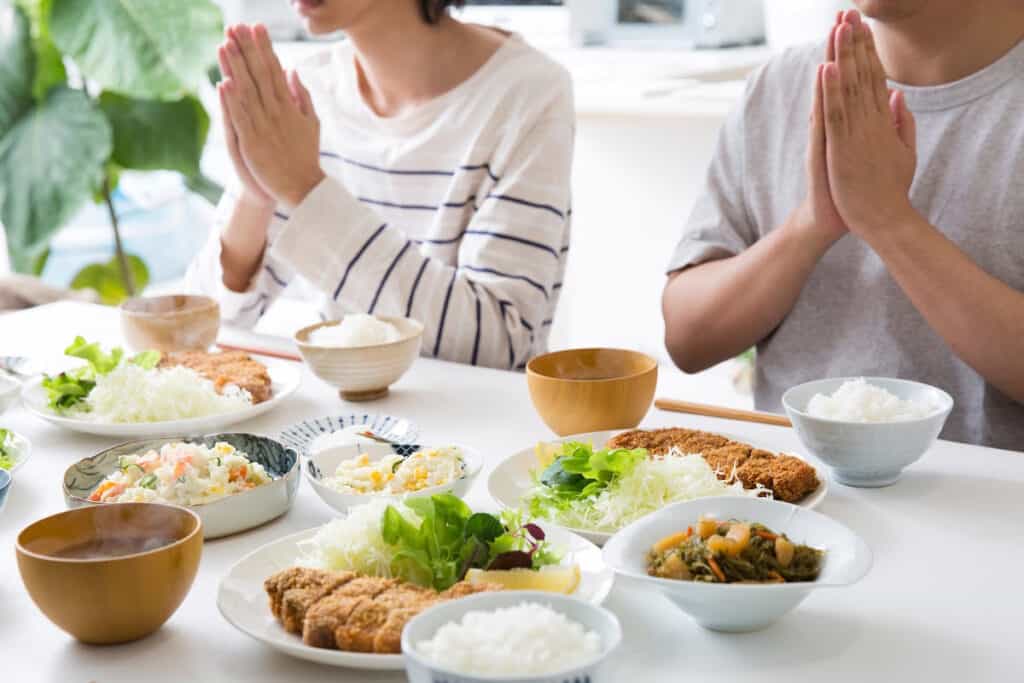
{"points": [[870, 135], [272, 131]]}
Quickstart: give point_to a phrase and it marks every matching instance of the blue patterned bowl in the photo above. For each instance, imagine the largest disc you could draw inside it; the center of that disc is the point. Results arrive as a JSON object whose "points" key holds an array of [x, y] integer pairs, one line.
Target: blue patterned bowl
{"points": [[310, 436], [223, 517], [593, 618]]}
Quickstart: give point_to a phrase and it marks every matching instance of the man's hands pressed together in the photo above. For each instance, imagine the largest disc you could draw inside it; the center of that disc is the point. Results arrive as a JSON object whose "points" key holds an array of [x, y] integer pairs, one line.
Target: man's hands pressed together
{"points": [[272, 131], [870, 135]]}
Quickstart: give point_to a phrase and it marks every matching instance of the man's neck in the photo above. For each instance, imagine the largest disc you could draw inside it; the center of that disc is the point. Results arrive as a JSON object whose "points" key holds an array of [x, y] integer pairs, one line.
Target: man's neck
{"points": [[948, 40]]}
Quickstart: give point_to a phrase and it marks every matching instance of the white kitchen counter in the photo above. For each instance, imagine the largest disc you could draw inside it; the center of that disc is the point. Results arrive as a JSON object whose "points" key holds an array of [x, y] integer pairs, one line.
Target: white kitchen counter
{"points": [[942, 602]]}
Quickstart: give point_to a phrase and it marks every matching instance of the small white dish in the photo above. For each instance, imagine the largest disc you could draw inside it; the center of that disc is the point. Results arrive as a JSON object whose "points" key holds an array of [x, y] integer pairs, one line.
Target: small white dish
{"points": [[513, 478], [242, 600], [230, 515], [19, 449], [424, 625], [324, 463], [10, 389], [738, 608], [867, 454], [285, 377]]}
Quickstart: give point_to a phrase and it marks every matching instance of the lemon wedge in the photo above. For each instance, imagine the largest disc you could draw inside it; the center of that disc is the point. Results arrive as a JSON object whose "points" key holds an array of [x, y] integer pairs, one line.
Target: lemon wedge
{"points": [[554, 579], [546, 453]]}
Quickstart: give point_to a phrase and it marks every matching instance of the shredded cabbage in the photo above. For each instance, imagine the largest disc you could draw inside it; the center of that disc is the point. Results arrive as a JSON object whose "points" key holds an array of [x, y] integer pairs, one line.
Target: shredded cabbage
{"points": [[649, 486], [133, 394], [355, 542]]}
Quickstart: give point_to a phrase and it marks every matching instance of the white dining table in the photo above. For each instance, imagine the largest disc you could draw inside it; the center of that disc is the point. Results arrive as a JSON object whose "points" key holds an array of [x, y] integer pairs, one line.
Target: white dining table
{"points": [[943, 602]]}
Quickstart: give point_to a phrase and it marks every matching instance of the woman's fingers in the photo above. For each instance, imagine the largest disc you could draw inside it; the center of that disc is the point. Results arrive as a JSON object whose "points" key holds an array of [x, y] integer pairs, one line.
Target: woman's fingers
{"points": [[847, 68], [259, 71], [878, 80], [234, 106], [230, 136], [836, 119], [906, 125], [301, 95], [275, 73]]}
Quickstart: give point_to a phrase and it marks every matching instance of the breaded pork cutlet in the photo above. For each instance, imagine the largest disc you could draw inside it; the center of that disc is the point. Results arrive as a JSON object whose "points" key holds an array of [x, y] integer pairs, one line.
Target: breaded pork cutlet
{"points": [[292, 591], [789, 478], [224, 368], [332, 611], [359, 632]]}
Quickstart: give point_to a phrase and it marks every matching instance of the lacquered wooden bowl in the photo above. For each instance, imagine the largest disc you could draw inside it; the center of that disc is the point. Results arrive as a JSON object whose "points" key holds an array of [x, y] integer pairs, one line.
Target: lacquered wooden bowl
{"points": [[175, 322], [590, 390], [112, 599]]}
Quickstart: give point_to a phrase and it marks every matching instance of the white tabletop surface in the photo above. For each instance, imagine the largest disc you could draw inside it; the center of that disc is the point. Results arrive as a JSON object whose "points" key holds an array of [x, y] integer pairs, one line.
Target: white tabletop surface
{"points": [[942, 603]]}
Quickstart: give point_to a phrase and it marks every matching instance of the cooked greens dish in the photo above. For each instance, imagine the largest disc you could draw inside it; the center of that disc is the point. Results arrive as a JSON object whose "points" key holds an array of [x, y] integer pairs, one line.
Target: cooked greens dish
{"points": [[733, 552]]}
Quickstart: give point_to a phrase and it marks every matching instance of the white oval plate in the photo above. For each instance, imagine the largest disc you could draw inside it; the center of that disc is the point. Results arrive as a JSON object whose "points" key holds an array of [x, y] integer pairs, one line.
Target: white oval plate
{"points": [[511, 479], [285, 377], [243, 602], [19, 450]]}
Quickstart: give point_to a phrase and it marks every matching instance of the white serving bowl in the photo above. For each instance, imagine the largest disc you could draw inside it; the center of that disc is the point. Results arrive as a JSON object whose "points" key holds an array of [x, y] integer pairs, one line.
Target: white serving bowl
{"points": [[362, 373], [867, 454], [10, 390], [324, 463], [593, 618], [738, 608], [230, 515]]}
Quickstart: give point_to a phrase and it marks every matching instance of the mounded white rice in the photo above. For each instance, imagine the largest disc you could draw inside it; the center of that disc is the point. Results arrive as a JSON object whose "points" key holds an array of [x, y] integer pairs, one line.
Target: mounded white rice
{"points": [[525, 640], [859, 401], [356, 329], [131, 394]]}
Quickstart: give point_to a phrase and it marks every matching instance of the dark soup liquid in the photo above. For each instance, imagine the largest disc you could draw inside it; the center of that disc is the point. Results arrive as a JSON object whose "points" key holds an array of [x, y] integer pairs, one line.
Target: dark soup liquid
{"points": [[106, 548]]}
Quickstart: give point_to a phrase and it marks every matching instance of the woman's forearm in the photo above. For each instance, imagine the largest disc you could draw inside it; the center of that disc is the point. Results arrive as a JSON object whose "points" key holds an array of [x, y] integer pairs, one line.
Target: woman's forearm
{"points": [[718, 309], [979, 316], [243, 240]]}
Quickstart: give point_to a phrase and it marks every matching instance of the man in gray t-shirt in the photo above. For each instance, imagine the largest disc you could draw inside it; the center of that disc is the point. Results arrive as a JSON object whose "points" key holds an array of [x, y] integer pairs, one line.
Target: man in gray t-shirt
{"points": [[863, 239]]}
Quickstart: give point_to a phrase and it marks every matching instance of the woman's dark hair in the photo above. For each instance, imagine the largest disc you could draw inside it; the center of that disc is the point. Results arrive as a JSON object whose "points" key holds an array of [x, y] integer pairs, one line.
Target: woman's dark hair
{"points": [[433, 10]]}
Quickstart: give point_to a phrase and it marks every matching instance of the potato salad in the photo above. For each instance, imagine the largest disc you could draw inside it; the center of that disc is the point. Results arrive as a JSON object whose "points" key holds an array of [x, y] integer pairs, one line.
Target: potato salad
{"points": [[181, 474], [392, 474]]}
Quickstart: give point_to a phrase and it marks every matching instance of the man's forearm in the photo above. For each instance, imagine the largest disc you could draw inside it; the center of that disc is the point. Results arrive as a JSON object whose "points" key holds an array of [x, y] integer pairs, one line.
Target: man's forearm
{"points": [[718, 309], [243, 241], [979, 316]]}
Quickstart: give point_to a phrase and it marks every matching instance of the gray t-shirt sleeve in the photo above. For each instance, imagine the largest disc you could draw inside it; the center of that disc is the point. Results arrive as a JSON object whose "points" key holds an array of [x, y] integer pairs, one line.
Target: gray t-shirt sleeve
{"points": [[720, 225]]}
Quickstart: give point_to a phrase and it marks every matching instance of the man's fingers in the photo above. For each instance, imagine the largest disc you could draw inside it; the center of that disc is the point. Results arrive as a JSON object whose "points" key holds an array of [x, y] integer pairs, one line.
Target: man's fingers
{"points": [[847, 71], [300, 93], [852, 17], [271, 63], [878, 79], [836, 120], [830, 47], [906, 125], [864, 72]]}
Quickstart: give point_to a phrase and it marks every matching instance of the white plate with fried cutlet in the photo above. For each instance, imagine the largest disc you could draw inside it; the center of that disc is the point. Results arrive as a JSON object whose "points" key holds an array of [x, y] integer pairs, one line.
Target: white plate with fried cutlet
{"points": [[267, 389], [253, 605], [751, 470]]}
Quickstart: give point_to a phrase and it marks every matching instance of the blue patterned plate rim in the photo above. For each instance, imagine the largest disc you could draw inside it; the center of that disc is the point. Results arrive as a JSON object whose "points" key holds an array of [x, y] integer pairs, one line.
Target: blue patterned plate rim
{"points": [[300, 435]]}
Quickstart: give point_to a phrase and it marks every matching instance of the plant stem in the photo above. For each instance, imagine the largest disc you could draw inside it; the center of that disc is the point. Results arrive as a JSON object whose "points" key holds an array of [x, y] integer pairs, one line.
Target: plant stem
{"points": [[127, 277]]}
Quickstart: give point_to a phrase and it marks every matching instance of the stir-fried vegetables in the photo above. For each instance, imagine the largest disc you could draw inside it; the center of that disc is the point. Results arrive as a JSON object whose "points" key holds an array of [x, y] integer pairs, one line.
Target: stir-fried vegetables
{"points": [[732, 552]]}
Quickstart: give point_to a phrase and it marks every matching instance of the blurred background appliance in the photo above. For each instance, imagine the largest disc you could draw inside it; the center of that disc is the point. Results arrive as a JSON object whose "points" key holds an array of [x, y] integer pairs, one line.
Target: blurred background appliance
{"points": [[678, 23]]}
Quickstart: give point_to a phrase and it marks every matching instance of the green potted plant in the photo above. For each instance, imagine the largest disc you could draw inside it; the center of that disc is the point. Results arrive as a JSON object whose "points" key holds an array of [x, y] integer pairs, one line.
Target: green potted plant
{"points": [[89, 88]]}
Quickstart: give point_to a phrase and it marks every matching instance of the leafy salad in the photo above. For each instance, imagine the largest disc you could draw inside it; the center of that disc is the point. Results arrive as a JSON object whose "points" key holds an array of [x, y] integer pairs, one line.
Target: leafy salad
{"points": [[604, 490], [70, 389], [6, 459], [431, 541]]}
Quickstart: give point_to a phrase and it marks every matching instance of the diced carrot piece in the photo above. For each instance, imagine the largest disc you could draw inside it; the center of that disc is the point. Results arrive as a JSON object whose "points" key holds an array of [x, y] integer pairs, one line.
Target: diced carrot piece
{"points": [[716, 569], [766, 535]]}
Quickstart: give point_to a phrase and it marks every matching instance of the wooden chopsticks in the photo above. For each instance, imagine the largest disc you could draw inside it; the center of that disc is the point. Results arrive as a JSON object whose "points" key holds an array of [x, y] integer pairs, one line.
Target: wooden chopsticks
{"points": [[725, 413]]}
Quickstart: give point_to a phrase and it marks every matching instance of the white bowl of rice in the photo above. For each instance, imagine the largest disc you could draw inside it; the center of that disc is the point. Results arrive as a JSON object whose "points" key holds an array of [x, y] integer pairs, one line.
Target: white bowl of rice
{"points": [[511, 637], [867, 429], [361, 355]]}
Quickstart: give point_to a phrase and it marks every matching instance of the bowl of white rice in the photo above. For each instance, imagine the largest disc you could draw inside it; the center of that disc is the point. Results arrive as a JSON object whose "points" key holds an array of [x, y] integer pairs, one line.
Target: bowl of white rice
{"points": [[361, 355], [511, 637], [867, 429]]}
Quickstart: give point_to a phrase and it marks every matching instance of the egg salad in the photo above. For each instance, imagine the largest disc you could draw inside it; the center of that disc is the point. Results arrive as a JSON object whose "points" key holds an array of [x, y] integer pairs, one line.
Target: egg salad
{"points": [[181, 474], [395, 475]]}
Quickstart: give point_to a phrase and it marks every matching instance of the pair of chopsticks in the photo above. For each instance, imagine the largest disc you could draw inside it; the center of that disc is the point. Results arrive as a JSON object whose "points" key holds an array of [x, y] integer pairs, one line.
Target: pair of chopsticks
{"points": [[273, 353], [724, 413]]}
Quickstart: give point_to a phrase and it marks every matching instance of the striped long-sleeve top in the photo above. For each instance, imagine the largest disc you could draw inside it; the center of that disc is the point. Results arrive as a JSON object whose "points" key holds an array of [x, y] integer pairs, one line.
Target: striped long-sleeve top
{"points": [[456, 213]]}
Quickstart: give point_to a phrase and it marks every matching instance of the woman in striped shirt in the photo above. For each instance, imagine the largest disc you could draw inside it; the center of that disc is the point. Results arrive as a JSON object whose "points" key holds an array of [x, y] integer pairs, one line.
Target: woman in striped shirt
{"points": [[420, 168]]}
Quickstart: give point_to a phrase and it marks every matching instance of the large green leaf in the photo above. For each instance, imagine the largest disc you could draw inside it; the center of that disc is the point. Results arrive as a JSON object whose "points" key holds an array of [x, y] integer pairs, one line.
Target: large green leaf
{"points": [[17, 64], [50, 161], [154, 134], [106, 279], [149, 49], [49, 61]]}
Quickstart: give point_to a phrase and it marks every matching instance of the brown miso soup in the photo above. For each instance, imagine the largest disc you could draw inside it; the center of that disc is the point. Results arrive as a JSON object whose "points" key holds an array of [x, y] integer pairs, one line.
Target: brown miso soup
{"points": [[108, 548]]}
